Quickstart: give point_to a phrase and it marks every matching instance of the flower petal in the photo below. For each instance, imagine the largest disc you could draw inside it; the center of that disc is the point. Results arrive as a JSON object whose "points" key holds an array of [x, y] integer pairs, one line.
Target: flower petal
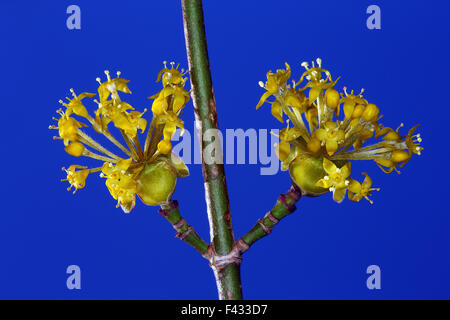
{"points": [[339, 194], [263, 99], [329, 166]]}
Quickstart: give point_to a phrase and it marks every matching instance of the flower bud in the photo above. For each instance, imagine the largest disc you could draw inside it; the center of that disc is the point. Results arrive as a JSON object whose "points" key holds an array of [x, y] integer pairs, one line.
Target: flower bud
{"points": [[156, 183], [332, 98], [313, 145], [371, 112], [348, 109], [75, 149], [358, 111], [305, 171], [399, 156], [165, 146]]}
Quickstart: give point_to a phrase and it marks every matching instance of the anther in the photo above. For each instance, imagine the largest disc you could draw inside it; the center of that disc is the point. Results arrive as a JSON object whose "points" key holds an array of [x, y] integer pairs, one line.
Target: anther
{"points": [[345, 91]]}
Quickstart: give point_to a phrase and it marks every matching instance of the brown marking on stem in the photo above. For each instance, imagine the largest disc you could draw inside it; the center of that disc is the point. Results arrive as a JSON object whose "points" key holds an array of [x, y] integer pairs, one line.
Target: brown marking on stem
{"points": [[270, 216], [214, 172], [183, 235], [179, 224], [242, 245], [266, 229]]}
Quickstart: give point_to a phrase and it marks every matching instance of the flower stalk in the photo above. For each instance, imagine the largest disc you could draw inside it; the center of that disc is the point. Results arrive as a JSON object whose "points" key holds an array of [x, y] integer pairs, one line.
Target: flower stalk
{"points": [[216, 194], [185, 231], [284, 206]]}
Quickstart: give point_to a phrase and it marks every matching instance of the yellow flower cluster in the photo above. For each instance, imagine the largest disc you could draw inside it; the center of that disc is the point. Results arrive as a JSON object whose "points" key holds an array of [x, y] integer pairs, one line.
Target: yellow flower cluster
{"points": [[318, 148], [168, 104], [123, 173]]}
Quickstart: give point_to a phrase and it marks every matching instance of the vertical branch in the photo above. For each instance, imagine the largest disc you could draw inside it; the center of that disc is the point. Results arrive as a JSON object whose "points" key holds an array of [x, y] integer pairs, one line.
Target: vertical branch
{"points": [[216, 194]]}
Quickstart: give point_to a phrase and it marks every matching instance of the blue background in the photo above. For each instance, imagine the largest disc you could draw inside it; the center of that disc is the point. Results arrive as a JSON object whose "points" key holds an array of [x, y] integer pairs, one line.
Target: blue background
{"points": [[322, 251]]}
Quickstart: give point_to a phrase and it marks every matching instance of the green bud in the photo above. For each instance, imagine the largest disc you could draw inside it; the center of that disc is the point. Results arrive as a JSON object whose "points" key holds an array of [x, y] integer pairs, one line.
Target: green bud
{"points": [[156, 183], [305, 171]]}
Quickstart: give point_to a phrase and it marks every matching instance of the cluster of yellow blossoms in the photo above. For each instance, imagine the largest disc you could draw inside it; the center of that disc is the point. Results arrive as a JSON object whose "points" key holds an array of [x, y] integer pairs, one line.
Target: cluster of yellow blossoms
{"points": [[149, 171], [318, 148]]}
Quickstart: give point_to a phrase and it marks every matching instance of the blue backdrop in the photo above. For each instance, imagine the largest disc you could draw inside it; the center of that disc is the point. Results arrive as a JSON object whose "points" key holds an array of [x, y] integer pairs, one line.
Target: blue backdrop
{"points": [[322, 251]]}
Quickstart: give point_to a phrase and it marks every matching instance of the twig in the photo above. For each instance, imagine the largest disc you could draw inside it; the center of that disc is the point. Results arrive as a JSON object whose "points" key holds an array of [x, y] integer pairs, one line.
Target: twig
{"points": [[284, 206]]}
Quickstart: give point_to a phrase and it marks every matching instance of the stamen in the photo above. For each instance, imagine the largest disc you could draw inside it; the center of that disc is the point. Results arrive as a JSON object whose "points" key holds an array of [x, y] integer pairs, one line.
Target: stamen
{"points": [[367, 198], [319, 62], [107, 75], [361, 92]]}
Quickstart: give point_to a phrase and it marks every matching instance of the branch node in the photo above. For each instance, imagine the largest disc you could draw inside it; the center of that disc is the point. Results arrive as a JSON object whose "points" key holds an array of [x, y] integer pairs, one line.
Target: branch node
{"points": [[167, 208], [218, 262], [179, 224], [284, 199], [183, 235], [271, 217], [209, 253], [266, 229], [242, 245]]}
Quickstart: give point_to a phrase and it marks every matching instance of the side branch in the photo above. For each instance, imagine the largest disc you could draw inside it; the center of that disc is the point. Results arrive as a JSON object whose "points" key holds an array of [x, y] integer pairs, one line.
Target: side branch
{"points": [[185, 232], [284, 206]]}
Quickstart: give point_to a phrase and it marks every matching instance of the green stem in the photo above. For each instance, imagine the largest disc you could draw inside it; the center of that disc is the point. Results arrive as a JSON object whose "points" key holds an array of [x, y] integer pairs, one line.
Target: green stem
{"points": [[185, 232], [216, 194], [284, 206]]}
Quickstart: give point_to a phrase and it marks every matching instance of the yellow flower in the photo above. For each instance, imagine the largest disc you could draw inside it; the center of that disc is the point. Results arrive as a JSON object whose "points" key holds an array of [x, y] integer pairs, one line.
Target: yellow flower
{"points": [[118, 111], [111, 86], [275, 83], [315, 81], [353, 104], [120, 182], [357, 190], [67, 127], [330, 136], [336, 179], [178, 96], [77, 179], [75, 105], [171, 76], [283, 148], [171, 122]]}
